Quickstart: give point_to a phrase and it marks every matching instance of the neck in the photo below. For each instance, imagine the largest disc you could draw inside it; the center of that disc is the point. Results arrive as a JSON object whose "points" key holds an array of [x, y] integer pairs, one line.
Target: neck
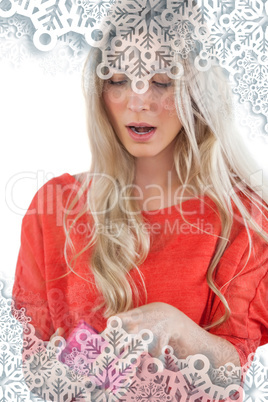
{"points": [[155, 172], [157, 182]]}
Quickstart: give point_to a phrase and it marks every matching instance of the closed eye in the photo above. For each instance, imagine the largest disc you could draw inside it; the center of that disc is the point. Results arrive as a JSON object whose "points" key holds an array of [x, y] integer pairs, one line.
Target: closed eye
{"points": [[162, 84], [119, 83]]}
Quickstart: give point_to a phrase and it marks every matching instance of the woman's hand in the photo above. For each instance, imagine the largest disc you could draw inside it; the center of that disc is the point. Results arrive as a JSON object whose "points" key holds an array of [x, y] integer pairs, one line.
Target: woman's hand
{"points": [[172, 327], [162, 319]]}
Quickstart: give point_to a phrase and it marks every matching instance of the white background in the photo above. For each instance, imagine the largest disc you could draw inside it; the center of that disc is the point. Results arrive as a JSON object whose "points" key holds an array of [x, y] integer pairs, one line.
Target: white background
{"points": [[43, 134]]}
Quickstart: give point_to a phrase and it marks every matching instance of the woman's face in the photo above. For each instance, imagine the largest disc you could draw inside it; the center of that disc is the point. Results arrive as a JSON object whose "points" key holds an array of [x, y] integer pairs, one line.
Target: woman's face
{"points": [[147, 123]]}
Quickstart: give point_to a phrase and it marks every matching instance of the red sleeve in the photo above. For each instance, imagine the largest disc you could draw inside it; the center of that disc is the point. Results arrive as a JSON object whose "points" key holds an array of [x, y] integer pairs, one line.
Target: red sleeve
{"points": [[41, 258], [246, 294], [29, 290]]}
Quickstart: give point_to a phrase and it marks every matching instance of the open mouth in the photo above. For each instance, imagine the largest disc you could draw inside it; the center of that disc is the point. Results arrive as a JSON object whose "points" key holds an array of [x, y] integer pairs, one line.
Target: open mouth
{"points": [[141, 130]]}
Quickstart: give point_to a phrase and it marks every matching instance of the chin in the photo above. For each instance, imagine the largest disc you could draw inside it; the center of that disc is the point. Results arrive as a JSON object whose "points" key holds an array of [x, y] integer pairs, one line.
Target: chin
{"points": [[143, 154], [142, 150]]}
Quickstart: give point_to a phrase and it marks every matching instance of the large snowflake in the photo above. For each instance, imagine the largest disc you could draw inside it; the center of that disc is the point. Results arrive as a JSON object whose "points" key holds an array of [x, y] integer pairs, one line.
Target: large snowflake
{"points": [[146, 30], [256, 382], [252, 81]]}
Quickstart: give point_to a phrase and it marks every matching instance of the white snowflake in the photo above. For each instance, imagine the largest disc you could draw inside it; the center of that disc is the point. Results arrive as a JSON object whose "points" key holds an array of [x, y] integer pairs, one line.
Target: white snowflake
{"points": [[183, 42], [97, 9], [109, 366], [206, 29], [253, 82], [256, 382], [151, 392]]}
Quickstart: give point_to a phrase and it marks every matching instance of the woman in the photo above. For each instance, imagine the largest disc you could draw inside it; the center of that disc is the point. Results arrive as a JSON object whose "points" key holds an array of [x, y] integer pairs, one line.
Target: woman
{"points": [[163, 231]]}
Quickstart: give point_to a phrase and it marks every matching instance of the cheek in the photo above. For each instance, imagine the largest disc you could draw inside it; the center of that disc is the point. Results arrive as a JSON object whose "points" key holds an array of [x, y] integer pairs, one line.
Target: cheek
{"points": [[114, 96], [169, 105], [163, 100], [157, 103]]}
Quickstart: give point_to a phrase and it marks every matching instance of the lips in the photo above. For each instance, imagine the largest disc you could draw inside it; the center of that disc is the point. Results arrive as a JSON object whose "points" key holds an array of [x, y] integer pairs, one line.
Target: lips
{"points": [[141, 128]]}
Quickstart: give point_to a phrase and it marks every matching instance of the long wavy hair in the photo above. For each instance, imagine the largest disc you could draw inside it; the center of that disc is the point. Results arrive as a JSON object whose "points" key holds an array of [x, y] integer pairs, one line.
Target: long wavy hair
{"points": [[207, 158]]}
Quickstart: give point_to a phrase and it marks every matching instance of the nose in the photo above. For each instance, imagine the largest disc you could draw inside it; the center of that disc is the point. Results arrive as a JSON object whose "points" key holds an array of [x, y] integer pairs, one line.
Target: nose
{"points": [[138, 103]]}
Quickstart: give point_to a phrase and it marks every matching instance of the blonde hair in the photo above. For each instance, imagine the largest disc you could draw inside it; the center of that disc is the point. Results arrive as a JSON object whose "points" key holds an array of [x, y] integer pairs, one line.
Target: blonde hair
{"points": [[206, 158]]}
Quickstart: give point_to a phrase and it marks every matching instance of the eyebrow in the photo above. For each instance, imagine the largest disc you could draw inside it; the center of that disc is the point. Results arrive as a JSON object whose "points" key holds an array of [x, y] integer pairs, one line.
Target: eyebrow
{"points": [[119, 74], [161, 76]]}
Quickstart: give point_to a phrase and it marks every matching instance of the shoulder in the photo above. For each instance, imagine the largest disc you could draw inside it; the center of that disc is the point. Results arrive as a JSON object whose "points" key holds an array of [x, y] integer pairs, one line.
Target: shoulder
{"points": [[51, 190], [247, 248], [256, 207], [247, 251], [51, 202], [43, 223], [63, 181]]}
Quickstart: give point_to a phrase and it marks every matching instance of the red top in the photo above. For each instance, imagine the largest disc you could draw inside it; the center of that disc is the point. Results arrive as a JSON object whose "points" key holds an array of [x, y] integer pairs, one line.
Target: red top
{"points": [[174, 271]]}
